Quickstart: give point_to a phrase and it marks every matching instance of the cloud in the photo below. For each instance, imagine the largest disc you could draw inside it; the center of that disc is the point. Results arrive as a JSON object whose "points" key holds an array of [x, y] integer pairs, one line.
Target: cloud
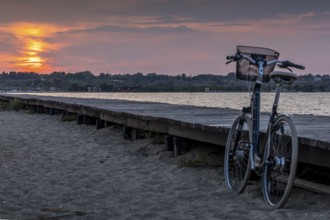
{"points": [[119, 29], [6, 44], [165, 11], [168, 36]]}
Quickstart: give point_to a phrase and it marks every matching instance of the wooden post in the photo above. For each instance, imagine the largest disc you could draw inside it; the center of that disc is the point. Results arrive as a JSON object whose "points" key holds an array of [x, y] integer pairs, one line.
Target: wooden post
{"points": [[52, 111], [80, 119], [47, 110], [40, 109], [180, 146], [134, 134], [64, 113], [89, 120], [100, 123], [131, 133], [109, 123], [127, 133], [31, 108], [169, 142]]}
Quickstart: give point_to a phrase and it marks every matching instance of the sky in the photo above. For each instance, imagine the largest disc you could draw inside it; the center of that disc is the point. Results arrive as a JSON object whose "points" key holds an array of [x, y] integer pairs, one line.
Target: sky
{"points": [[162, 36]]}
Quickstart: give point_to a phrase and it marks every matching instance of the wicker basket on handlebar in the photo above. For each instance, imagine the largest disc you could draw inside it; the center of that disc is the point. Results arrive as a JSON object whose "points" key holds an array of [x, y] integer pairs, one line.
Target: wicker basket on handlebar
{"points": [[247, 71]]}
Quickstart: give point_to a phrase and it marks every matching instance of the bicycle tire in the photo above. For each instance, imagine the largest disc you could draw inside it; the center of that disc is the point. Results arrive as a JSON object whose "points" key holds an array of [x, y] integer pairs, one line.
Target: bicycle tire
{"points": [[237, 165], [280, 162]]}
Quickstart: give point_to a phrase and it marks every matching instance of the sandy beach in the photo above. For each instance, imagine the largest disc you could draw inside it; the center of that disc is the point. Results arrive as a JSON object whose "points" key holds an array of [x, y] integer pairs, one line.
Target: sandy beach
{"points": [[60, 170]]}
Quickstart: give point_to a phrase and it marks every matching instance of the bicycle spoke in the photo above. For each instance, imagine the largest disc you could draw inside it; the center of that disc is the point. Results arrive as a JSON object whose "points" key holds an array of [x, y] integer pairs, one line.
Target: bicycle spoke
{"points": [[237, 168], [280, 170]]}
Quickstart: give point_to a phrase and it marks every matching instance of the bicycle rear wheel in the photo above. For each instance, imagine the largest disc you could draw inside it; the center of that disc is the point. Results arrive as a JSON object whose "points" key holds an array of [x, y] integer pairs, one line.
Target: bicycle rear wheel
{"points": [[237, 167], [280, 157]]}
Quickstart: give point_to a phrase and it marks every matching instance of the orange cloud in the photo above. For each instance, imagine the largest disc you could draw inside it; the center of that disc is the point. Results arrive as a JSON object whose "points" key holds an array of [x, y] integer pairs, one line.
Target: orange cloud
{"points": [[30, 39]]}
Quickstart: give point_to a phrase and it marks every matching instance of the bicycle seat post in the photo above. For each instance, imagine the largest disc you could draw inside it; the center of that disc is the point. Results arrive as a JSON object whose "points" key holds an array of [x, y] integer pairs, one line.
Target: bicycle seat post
{"points": [[277, 98]]}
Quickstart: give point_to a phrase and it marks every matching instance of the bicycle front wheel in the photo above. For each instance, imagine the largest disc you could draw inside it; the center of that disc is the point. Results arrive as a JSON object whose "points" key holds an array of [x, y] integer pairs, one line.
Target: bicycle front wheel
{"points": [[280, 158], [237, 167]]}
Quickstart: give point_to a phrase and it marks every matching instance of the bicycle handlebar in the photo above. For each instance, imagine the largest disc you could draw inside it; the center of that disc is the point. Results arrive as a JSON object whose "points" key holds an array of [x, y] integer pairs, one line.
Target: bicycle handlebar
{"points": [[283, 63], [233, 58], [287, 63]]}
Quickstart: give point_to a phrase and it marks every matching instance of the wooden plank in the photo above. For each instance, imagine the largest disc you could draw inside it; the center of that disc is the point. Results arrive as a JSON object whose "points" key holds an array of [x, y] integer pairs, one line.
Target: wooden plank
{"points": [[206, 124], [314, 187]]}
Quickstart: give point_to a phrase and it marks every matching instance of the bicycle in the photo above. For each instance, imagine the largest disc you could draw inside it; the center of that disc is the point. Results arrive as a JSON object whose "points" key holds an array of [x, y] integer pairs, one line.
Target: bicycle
{"points": [[276, 160]]}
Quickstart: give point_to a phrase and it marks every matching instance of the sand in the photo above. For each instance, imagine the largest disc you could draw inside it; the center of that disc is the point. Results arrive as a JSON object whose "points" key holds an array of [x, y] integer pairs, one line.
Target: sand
{"points": [[60, 170]]}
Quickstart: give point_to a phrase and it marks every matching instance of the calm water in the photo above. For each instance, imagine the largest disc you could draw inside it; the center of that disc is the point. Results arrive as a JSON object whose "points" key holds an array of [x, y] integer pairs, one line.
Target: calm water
{"points": [[292, 103]]}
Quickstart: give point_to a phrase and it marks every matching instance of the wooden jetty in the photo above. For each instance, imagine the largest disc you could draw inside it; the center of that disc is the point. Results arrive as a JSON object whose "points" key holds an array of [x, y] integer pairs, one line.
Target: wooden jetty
{"points": [[204, 124]]}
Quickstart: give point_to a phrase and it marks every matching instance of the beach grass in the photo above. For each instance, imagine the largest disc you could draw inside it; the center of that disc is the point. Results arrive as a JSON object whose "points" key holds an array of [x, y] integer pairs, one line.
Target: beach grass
{"points": [[68, 117], [13, 104], [192, 162]]}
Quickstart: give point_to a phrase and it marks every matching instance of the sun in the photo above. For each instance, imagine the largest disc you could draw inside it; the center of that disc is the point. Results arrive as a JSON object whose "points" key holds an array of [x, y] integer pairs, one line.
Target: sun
{"points": [[31, 38], [31, 63], [35, 46]]}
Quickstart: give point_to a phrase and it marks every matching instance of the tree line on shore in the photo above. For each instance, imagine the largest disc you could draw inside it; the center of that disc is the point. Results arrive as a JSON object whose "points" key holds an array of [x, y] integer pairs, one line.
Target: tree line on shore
{"points": [[151, 82]]}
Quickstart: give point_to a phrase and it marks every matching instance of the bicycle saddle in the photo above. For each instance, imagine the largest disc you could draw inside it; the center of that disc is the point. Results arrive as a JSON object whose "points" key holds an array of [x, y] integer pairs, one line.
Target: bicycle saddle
{"points": [[285, 77]]}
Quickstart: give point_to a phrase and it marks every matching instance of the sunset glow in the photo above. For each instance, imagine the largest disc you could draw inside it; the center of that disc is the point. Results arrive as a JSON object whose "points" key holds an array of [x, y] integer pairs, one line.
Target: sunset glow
{"points": [[30, 37], [167, 37], [35, 46], [30, 63], [26, 30]]}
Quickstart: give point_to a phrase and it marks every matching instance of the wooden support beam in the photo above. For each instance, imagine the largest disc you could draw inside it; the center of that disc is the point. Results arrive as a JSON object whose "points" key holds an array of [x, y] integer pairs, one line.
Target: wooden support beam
{"points": [[100, 123], [89, 120], [109, 123], [314, 187], [180, 146], [47, 111], [313, 155], [127, 133], [52, 111], [40, 109], [169, 142], [133, 133], [80, 119]]}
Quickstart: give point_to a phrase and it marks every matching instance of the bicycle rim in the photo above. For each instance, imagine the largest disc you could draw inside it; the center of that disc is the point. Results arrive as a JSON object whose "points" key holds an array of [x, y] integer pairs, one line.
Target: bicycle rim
{"points": [[281, 157], [237, 167]]}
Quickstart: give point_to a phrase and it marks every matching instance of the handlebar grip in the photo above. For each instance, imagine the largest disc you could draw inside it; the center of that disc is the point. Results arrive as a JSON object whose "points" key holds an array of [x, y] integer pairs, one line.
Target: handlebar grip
{"points": [[233, 57], [299, 67], [295, 65]]}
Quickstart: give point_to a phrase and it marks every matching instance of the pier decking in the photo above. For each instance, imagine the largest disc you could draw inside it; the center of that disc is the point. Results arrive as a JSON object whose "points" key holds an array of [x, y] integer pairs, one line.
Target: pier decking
{"points": [[204, 124]]}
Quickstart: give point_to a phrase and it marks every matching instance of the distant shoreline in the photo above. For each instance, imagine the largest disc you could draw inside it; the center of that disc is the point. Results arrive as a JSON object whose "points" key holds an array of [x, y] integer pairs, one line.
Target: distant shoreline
{"points": [[141, 92], [151, 82]]}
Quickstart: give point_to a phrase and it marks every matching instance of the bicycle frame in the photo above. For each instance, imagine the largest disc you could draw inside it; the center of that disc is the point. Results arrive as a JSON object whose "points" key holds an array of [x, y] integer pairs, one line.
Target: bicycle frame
{"points": [[254, 109]]}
